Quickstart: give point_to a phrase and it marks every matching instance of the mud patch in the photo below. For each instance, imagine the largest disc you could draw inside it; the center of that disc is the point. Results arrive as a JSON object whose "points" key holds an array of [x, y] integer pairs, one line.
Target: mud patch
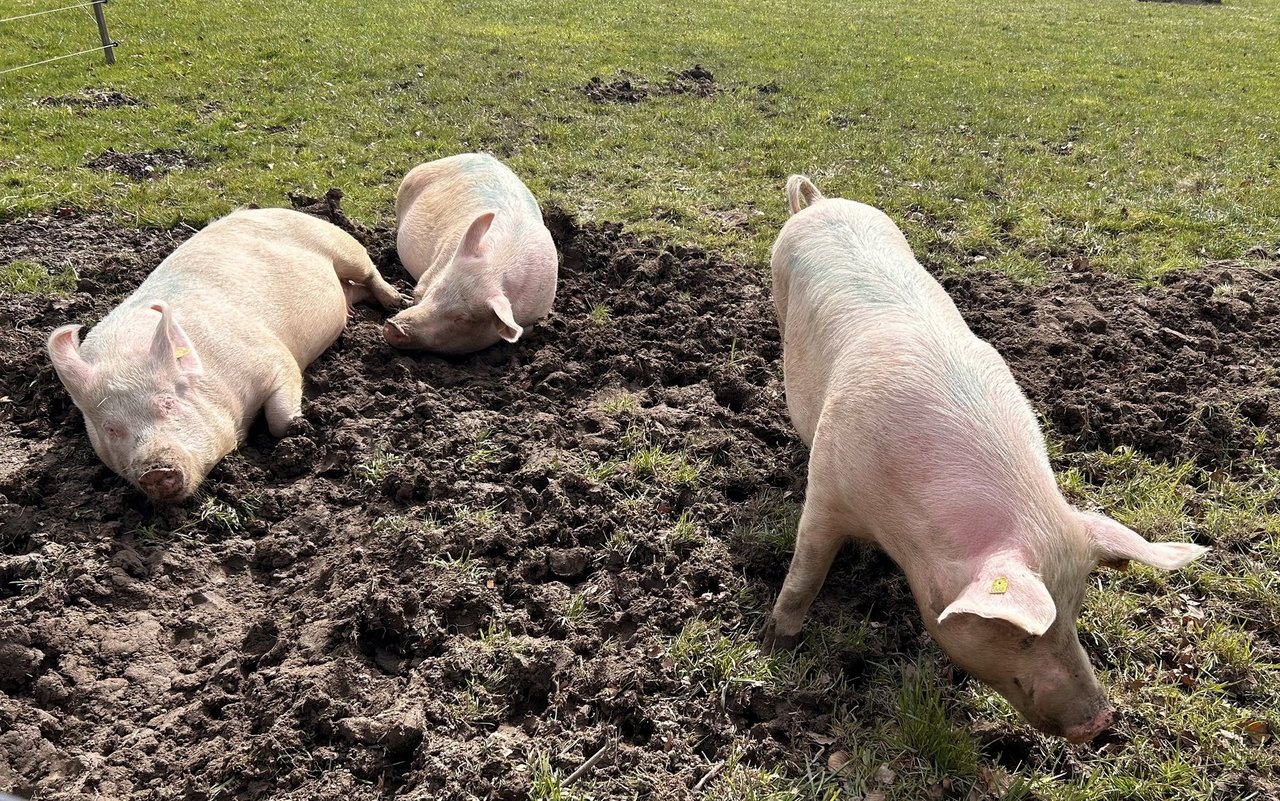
{"points": [[456, 567], [1184, 371], [92, 98], [628, 87], [144, 165]]}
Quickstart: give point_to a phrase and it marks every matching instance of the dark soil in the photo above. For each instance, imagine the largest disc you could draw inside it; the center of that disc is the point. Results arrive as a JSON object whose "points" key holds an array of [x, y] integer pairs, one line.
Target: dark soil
{"points": [[383, 603], [144, 165], [92, 98], [628, 87]]}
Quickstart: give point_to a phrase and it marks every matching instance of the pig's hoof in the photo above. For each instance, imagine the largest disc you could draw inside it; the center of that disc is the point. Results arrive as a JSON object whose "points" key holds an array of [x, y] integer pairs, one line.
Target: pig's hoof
{"points": [[772, 642]]}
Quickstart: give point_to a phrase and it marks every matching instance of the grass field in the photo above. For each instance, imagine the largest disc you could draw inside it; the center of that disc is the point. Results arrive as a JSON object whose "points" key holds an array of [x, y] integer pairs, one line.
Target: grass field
{"points": [[1135, 137], [1028, 137]]}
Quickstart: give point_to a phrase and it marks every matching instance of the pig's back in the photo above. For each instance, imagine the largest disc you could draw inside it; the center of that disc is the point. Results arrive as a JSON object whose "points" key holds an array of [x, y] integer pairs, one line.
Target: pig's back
{"points": [[252, 274], [884, 379], [847, 287], [438, 200]]}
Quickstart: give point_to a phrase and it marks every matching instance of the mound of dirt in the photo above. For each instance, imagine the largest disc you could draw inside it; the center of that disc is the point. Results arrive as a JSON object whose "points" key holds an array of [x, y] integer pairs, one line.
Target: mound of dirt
{"points": [[144, 165], [456, 568], [625, 89], [629, 87], [92, 98]]}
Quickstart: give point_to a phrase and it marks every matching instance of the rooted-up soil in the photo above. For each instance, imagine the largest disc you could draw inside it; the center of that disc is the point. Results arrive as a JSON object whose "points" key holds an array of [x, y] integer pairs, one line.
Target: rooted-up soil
{"points": [[457, 565]]}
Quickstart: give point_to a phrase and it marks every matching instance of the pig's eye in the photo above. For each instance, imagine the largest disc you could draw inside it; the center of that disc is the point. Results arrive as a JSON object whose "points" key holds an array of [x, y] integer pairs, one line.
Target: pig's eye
{"points": [[166, 405], [114, 431]]}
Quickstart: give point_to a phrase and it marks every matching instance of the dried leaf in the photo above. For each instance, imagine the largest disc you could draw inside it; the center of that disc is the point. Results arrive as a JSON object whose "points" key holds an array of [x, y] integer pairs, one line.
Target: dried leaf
{"points": [[1257, 729], [837, 761], [884, 775], [820, 739]]}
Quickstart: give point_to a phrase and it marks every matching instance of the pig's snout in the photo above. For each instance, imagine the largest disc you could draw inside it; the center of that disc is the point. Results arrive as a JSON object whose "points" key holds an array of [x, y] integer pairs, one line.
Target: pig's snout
{"points": [[1088, 730], [164, 484], [396, 336]]}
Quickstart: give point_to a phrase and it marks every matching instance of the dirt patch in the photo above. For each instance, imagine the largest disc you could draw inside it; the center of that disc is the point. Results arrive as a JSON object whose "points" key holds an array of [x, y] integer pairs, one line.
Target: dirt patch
{"points": [[628, 87], [92, 98], [457, 567], [144, 165], [1184, 371]]}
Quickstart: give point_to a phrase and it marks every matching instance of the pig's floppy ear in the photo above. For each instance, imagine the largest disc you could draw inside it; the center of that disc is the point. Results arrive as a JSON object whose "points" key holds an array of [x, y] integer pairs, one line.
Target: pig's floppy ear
{"points": [[1007, 590], [473, 241], [1115, 544], [75, 373], [170, 345], [508, 328]]}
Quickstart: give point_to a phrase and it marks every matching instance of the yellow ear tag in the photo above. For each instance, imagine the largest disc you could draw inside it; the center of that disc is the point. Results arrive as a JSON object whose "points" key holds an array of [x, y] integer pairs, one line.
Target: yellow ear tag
{"points": [[1000, 586], [180, 352]]}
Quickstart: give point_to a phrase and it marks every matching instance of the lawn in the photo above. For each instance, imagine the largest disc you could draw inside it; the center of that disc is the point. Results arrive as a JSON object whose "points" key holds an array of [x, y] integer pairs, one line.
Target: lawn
{"points": [[1026, 138]]}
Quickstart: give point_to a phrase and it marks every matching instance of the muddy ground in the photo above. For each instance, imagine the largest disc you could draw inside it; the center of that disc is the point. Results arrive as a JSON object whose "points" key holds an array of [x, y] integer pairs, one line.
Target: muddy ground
{"points": [[458, 564]]}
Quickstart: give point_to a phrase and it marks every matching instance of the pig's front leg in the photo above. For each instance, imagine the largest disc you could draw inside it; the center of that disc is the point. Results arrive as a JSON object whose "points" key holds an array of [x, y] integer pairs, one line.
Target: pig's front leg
{"points": [[284, 405], [818, 540]]}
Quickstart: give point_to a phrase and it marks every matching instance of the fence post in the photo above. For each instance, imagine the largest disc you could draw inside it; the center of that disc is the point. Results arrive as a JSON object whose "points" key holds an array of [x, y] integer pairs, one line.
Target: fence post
{"points": [[108, 46]]}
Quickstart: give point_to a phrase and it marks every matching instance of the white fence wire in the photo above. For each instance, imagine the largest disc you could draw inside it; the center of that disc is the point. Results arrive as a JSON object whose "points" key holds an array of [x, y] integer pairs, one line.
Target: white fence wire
{"points": [[107, 47]]}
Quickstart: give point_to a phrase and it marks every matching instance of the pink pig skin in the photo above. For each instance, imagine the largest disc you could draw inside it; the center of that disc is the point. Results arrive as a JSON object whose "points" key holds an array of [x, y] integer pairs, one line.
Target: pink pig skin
{"points": [[472, 235], [921, 442], [171, 379]]}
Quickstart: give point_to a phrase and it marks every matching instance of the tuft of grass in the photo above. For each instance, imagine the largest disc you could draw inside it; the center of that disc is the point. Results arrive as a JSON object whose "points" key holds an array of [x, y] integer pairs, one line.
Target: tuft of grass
{"points": [[371, 471], [926, 731], [707, 656], [28, 277], [221, 515], [621, 402], [684, 532], [600, 314], [482, 450]]}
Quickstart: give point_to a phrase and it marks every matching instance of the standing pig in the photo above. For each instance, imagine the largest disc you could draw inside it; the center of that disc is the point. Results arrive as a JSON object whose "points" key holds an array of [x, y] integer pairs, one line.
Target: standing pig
{"points": [[921, 442], [170, 380], [471, 233]]}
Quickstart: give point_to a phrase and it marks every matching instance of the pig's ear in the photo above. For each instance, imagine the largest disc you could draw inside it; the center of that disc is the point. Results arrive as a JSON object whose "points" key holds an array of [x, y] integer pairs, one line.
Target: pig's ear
{"points": [[473, 244], [64, 351], [1007, 590], [171, 345], [1116, 544], [508, 328]]}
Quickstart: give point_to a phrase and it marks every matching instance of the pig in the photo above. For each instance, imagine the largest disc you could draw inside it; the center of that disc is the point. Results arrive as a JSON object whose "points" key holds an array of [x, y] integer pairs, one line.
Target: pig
{"points": [[922, 443], [170, 380], [471, 235]]}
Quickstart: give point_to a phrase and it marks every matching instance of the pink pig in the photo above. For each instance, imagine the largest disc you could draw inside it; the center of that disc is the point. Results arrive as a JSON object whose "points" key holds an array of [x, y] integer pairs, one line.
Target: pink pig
{"points": [[171, 379], [472, 235], [921, 442]]}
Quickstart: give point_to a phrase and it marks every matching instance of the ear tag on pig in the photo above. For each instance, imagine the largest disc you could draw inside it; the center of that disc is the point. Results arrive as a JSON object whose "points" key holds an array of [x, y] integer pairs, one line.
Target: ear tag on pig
{"points": [[1000, 586], [178, 353]]}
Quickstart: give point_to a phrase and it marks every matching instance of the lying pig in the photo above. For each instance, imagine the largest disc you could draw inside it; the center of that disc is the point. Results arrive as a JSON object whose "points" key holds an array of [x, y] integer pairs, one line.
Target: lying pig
{"points": [[170, 380], [921, 442], [472, 235]]}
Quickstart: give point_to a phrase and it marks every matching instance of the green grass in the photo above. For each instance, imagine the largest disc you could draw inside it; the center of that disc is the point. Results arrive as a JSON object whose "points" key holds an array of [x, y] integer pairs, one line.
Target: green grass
{"points": [[1132, 137], [30, 277]]}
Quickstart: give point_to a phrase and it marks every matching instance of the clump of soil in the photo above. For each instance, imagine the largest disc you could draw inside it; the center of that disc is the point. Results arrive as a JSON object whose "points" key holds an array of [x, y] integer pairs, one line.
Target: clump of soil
{"points": [[455, 566], [629, 87], [697, 80], [92, 98], [144, 165]]}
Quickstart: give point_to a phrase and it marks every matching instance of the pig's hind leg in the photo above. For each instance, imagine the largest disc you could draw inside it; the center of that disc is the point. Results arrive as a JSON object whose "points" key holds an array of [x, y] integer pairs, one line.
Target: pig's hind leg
{"points": [[284, 404], [361, 280], [818, 540]]}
